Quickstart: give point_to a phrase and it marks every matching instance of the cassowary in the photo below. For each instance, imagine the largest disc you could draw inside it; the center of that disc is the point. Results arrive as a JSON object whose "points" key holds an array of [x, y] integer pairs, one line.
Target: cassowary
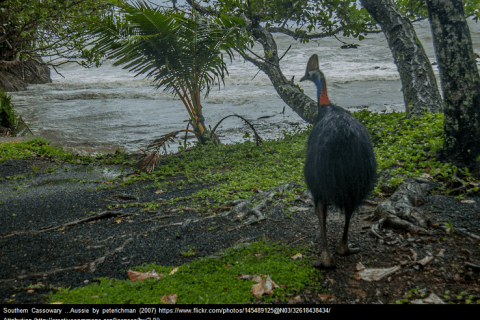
{"points": [[340, 168]]}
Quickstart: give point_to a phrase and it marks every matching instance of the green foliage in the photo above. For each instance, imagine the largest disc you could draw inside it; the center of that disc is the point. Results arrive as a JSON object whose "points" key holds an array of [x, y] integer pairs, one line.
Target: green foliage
{"points": [[8, 117], [40, 27], [472, 9], [33, 147], [206, 280], [417, 9], [318, 19], [405, 147], [327, 16], [414, 9]]}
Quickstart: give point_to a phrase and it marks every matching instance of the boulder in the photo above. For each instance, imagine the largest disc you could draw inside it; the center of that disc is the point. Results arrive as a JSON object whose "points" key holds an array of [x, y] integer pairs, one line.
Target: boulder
{"points": [[17, 77]]}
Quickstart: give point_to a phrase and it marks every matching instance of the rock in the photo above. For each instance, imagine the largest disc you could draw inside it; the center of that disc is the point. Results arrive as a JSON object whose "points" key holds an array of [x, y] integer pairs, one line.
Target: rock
{"points": [[17, 77]]}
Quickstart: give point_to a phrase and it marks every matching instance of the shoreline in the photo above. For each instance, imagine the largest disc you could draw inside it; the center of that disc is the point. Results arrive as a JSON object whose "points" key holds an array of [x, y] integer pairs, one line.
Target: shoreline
{"points": [[81, 151], [269, 124]]}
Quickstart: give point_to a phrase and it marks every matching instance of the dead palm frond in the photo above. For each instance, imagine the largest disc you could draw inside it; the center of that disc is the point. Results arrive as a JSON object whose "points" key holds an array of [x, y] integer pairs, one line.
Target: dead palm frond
{"points": [[149, 162], [153, 152]]}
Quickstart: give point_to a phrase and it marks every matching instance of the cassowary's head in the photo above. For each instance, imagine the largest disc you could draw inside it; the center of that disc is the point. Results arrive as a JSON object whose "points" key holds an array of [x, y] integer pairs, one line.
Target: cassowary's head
{"points": [[313, 71], [314, 74]]}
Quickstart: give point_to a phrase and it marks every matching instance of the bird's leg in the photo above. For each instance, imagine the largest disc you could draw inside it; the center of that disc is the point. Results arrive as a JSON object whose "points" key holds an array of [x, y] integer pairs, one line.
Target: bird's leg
{"points": [[326, 258], [343, 247]]}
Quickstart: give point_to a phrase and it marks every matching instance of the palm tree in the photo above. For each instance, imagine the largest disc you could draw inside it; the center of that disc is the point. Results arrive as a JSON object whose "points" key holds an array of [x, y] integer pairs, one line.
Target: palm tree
{"points": [[181, 52]]}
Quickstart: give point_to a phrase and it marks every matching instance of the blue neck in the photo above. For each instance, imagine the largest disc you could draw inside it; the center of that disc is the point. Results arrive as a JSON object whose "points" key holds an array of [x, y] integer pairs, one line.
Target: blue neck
{"points": [[318, 82]]}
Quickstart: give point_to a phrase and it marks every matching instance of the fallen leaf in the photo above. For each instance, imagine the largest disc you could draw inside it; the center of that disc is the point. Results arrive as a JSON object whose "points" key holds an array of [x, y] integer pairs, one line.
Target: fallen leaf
{"points": [[171, 298], [159, 191], [139, 276], [297, 256], [265, 286]]}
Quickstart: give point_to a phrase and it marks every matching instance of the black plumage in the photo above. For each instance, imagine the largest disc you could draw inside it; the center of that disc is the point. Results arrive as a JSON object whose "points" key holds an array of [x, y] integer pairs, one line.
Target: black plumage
{"points": [[340, 168]]}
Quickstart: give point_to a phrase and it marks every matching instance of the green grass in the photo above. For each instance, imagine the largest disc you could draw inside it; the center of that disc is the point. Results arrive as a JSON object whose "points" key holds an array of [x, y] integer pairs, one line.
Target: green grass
{"points": [[206, 280], [40, 147], [32, 148]]}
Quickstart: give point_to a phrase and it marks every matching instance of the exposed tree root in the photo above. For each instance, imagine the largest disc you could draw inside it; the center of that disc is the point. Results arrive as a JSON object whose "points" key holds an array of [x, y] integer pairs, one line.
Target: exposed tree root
{"points": [[461, 188], [122, 196], [257, 137], [95, 216], [89, 266], [458, 231], [255, 214], [400, 211], [241, 207], [182, 224]]}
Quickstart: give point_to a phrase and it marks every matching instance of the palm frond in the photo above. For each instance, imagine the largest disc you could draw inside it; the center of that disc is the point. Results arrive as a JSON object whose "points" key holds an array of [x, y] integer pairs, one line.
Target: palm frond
{"points": [[149, 162], [152, 42]]}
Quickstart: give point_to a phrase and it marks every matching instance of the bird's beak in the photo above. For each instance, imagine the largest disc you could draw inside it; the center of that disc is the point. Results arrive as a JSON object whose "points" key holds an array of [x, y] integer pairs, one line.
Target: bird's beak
{"points": [[305, 77]]}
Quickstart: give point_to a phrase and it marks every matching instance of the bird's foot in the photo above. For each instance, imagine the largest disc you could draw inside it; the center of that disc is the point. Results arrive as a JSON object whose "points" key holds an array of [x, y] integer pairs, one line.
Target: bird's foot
{"points": [[343, 249], [325, 261]]}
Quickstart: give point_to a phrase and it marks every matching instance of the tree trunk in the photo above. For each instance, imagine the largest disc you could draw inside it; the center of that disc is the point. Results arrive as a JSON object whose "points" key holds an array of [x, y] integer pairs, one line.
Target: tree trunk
{"points": [[460, 82], [293, 96], [420, 90], [206, 137]]}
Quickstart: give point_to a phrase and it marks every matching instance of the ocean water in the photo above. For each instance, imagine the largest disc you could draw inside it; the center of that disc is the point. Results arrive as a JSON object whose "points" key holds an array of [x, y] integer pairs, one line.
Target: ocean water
{"points": [[101, 109]]}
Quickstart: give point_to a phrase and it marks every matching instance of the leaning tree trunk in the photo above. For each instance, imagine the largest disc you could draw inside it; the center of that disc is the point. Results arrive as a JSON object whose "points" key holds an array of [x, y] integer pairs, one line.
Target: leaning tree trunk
{"points": [[460, 81], [293, 96], [420, 90]]}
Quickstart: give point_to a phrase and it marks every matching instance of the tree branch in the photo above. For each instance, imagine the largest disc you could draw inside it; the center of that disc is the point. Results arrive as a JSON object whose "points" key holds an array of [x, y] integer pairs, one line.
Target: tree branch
{"points": [[265, 61], [202, 9], [300, 35]]}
